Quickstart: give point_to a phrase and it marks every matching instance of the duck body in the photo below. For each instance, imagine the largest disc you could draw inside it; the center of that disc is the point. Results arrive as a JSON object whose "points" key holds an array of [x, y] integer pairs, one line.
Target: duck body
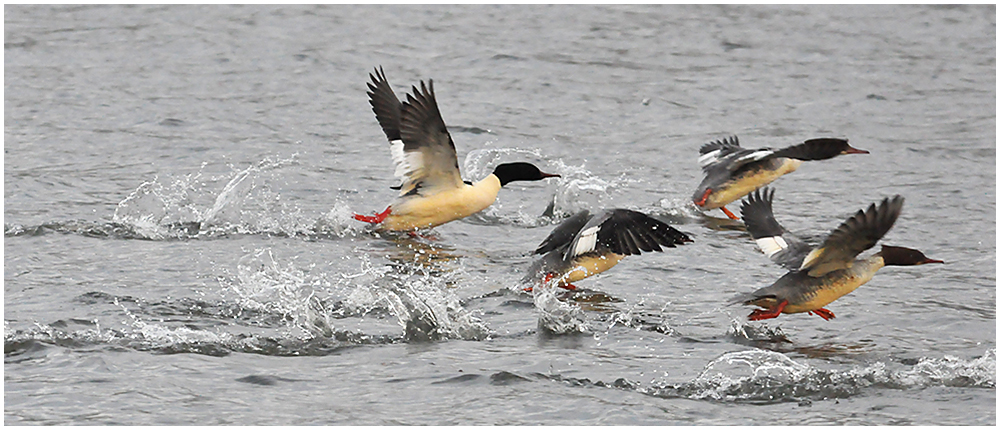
{"points": [[431, 191], [408, 213], [804, 293], [586, 244], [819, 276], [553, 268], [732, 172], [724, 187]]}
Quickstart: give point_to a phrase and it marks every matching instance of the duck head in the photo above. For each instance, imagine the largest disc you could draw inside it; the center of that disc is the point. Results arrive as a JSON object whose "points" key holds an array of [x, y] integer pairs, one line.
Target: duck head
{"points": [[900, 256], [510, 172], [825, 148]]}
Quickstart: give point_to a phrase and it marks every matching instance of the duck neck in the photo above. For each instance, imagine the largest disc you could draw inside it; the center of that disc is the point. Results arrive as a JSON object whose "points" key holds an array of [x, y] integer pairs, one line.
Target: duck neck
{"points": [[869, 266], [485, 190]]}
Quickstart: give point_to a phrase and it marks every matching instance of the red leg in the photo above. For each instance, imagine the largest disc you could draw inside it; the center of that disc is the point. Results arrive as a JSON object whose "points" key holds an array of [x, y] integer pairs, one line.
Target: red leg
{"points": [[704, 197], [823, 313], [763, 314], [379, 217], [548, 278], [545, 280], [730, 214]]}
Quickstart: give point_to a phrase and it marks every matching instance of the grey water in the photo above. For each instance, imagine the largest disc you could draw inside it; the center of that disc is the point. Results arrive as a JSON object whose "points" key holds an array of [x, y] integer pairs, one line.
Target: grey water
{"points": [[179, 183]]}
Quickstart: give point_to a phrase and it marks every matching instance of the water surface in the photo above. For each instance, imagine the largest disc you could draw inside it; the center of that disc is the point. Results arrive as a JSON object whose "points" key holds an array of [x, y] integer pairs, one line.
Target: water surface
{"points": [[178, 184]]}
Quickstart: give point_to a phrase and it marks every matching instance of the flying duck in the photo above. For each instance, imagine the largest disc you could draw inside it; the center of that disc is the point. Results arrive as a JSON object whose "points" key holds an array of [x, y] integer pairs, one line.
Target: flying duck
{"points": [[820, 275], [432, 191], [586, 244], [732, 172]]}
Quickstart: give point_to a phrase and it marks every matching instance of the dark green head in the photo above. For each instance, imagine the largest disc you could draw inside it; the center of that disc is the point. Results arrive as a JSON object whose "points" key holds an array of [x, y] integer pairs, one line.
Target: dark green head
{"points": [[510, 172], [819, 149]]}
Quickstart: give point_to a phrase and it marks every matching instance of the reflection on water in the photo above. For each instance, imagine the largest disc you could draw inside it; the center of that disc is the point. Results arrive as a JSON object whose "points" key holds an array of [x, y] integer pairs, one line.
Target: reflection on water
{"points": [[426, 251]]}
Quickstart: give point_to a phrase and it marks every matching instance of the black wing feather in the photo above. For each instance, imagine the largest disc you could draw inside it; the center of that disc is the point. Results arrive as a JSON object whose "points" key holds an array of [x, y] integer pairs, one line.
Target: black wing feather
{"points": [[860, 232], [759, 220], [731, 142], [629, 232], [564, 233], [385, 104]]}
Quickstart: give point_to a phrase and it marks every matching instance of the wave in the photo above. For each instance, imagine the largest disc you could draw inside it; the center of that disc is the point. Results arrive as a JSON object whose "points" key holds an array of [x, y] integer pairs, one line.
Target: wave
{"points": [[760, 376], [272, 307], [765, 377]]}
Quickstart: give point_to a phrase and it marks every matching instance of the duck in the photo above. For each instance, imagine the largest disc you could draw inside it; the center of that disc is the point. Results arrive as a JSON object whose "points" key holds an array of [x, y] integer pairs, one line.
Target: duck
{"points": [[732, 172], [818, 276], [431, 192], [586, 244]]}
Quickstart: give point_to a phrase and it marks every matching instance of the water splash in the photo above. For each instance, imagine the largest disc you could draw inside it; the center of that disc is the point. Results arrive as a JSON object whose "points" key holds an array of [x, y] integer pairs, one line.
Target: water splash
{"points": [[152, 207], [161, 337], [247, 204], [762, 376], [338, 221], [556, 316], [481, 162], [142, 335], [577, 188], [266, 286], [420, 298]]}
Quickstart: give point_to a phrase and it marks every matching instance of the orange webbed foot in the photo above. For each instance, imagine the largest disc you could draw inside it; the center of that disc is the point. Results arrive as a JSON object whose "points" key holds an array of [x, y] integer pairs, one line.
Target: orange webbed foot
{"points": [[823, 313], [378, 218], [763, 314], [730, 214]]}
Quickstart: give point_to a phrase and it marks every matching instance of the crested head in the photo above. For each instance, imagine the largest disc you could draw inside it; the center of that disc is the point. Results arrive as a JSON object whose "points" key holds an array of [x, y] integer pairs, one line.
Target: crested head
{"points": [[509, 172], [900, 256]]}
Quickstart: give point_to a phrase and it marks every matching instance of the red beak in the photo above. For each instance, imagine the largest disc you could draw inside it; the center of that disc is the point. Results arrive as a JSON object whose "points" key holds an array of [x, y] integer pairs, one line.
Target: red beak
{"points": [[853, 150]]}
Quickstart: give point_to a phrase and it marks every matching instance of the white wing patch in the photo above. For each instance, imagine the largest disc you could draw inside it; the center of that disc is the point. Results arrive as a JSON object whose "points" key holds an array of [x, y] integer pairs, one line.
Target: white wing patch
{"points": [[398, 158], [586, 242], [709, 158], [754, 156], [406, 163], [813, 255], [771, 245]]}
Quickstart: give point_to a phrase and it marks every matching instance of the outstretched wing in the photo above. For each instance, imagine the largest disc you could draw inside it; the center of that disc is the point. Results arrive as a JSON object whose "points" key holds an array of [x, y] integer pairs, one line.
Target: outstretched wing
{"points": [[727, 155], [564, 233], [624, 232], [858, 233], [385, 105], [388, 110], [774, 240], [429, 164]]}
